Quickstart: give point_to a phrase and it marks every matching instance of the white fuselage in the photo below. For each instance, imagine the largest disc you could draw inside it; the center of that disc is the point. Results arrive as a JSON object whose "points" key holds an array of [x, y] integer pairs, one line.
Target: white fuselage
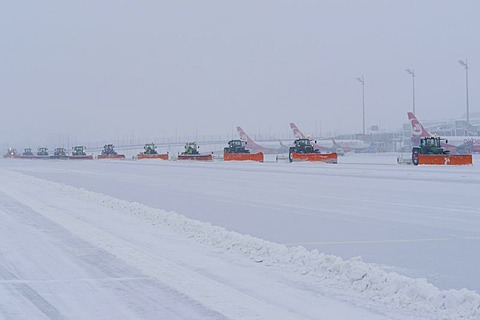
{"points": [[459, 140]]}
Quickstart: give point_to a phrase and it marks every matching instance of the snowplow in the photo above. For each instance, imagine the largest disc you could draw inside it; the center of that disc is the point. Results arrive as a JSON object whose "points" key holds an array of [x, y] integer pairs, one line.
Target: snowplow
{"points": [[191, 153], [59, 153], [303, 150], [108, 152], [27, 154], [79, 153], [236, 151], [42, 153], [430, 152], [11, 153], [150, 152]]}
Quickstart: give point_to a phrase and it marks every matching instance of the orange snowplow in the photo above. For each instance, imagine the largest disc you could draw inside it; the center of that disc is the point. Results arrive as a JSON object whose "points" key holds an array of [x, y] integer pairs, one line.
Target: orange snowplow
{"points": [[191, 153], [151, 153], [109, 153], [304, 151], [430, 152], [236, 151]]}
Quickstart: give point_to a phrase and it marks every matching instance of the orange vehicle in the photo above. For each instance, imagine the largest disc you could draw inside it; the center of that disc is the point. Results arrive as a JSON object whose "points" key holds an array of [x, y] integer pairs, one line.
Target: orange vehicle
{"points": [[151, 153], [430, 152], [191, 153], [304, 151], [109, 153], [236, 151]]}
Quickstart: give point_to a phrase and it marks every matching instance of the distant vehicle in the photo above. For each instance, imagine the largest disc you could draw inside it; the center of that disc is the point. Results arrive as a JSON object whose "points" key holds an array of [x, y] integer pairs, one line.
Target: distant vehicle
{"points": [[109, 152], [59, 153], [191, 153], [79, 153], [255, 147], [236, 151], [456, 144], [150, 152], [42, 153], [303, 150], [27, 153], [11, 153]]}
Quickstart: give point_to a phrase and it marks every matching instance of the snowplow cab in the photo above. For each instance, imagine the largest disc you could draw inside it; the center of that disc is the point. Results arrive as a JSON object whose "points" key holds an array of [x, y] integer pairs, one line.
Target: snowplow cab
{"points": [[236, 146], [27, 152], [431, 145], [150, 148], [191, 148], [303, 146], [79, 151], [11, 152], [108, 150], [42, 151]]}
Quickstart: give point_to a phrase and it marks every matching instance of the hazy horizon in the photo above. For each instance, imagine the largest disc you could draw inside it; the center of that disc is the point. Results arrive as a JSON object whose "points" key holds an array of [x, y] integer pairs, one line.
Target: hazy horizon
{"points": [[101, 70]]}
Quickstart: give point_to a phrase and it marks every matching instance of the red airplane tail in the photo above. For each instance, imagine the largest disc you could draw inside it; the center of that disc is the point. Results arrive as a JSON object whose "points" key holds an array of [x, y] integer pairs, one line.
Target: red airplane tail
{"points": [[246, 138], [418, 131], [296, 132]]}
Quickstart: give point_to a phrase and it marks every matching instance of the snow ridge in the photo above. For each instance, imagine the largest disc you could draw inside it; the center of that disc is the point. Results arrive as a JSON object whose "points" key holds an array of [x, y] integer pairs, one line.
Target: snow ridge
{"points": [[351, 277]]}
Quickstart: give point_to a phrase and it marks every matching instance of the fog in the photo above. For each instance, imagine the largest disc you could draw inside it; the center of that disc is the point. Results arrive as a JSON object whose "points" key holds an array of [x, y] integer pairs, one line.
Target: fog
{"points": [[98, 70]]}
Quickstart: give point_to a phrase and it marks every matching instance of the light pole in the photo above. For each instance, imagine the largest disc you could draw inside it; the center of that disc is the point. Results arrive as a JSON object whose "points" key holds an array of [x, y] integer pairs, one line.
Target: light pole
{"points": [[412, 73], [362, 81], [465, 65]]}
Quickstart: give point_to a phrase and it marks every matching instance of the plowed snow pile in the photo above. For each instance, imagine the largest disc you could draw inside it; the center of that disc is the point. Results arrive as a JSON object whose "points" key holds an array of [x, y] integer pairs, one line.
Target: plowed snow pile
{"points": [[352, 279]]}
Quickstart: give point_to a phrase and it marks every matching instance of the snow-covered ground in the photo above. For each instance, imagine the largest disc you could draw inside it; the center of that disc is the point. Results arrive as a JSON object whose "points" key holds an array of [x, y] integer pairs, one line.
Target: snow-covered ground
{"points": [[109, 239]]}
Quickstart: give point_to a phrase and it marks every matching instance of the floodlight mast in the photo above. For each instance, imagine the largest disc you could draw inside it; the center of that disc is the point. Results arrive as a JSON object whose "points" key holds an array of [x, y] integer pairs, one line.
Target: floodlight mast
{"points": [[362, 81], [465, 65], [412, 73]]}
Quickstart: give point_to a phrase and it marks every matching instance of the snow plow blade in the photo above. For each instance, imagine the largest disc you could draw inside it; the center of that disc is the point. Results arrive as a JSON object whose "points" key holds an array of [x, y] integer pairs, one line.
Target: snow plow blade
{"points": [[117, 156], [317, 157], [243, 156], [80, 157], [442, 159], [163, 156], [196, 157]]}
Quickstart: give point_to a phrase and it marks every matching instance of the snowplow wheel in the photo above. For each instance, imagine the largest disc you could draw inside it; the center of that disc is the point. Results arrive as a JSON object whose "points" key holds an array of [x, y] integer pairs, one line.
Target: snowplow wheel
{"points": [[290, 157], [415, 156]]}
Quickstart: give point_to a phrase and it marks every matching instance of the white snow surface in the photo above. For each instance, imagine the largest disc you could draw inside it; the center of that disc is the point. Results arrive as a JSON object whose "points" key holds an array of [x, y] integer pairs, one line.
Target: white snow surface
{"points": [[191, 269]]}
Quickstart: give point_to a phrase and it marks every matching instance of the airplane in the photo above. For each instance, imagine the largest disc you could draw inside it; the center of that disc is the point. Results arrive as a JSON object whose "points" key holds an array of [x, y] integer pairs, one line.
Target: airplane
{"points": [[452, 143], [345, 145], [255, 147]]}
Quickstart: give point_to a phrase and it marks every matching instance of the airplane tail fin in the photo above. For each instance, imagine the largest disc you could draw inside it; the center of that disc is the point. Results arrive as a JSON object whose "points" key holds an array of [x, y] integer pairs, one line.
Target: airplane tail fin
{"points": [[418, 131], [296, 132], [245, 137]]}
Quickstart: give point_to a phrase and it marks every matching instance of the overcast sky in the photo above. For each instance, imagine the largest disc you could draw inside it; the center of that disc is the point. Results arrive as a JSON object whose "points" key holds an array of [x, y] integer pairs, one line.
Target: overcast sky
{"points": [[99, 69]]}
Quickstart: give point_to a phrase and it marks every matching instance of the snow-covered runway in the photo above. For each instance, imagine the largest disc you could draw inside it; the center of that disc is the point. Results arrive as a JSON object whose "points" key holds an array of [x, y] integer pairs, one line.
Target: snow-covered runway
{"points": [[46, 272], [418, 221]]}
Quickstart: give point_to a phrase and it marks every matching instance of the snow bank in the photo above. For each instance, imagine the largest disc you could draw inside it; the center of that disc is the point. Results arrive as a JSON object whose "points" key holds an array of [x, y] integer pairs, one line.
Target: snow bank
{"points": [[353, 278]]}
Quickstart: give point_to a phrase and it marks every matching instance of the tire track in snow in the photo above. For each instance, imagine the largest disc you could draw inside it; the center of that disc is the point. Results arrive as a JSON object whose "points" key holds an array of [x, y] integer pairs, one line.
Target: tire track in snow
{"points": [[210, 293], [31, 295]]}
